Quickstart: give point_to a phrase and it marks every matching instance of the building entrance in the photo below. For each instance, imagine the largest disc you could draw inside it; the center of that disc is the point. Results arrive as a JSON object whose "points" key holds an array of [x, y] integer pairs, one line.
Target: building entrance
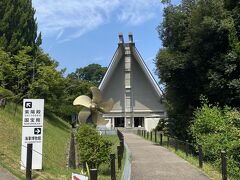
{"points": [[119, 121], [138, 121]]}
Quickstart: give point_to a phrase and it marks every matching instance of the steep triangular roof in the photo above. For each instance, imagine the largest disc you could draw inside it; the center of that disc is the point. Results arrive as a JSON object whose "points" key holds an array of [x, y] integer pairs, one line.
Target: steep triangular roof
{"points": [[118, 55]]}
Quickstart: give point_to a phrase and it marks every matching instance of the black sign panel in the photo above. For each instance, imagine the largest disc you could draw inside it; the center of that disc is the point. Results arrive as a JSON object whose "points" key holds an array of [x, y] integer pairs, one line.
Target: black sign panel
{"points": [[28, 104], [37, 131]]}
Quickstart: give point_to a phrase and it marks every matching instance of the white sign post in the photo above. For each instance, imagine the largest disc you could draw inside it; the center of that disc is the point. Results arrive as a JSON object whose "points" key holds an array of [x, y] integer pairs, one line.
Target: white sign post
{"points": [[32, 131]]}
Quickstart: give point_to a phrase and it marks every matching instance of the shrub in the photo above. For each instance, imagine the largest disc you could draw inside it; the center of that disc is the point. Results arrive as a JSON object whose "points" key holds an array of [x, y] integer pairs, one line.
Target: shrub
{"points": [[93, 148], [218, 129], [162, 126], [5, 93]]}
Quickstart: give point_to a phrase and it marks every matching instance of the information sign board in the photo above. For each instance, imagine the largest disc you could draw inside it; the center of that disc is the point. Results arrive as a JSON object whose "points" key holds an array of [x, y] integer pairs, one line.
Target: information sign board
{"points": [[32, 131]]}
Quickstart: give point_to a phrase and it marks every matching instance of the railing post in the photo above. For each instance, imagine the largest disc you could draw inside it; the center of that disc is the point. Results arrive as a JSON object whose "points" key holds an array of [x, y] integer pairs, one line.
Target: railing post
{"points": [[122, 139], [155, 136], [113, 170], [175, 144], [93, 174], [119, 157], [147, 134], [29, 162], [168, 141], [200, 156], [186, 147], [122, 147], [151, 135], [224, 165], [161, 138], [144, 133]]}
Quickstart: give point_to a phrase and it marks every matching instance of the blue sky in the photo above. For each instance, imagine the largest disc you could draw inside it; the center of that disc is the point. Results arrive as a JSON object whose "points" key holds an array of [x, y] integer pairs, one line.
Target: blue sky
{"points": [[79, 32]]}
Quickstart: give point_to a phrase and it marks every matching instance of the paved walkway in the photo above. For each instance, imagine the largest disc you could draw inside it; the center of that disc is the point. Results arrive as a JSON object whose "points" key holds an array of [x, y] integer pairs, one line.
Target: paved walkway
{"points": [[152, 162], [5, 175]]}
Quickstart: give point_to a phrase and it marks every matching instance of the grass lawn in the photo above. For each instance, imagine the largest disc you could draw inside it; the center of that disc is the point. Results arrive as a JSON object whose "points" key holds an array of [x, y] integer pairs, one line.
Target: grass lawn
{"points": [[104, 170], [55, 140]]}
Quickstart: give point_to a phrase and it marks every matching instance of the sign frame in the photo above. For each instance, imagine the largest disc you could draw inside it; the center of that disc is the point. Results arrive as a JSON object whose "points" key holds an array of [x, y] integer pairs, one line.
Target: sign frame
{"points": [[32, 131]]}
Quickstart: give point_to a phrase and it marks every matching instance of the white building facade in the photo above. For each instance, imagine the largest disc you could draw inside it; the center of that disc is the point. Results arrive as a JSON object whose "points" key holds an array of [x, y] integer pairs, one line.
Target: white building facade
{"points": [[137, 96]]}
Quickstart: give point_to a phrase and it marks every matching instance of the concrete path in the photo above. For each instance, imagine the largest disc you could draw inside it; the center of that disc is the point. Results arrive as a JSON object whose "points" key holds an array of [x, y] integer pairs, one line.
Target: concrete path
{"points": [[153, 162], [5, 175]]}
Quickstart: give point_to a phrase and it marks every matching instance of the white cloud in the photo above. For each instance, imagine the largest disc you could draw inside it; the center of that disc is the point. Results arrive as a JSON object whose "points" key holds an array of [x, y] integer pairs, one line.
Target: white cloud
{"points": [[56, 17], [135, 12]]}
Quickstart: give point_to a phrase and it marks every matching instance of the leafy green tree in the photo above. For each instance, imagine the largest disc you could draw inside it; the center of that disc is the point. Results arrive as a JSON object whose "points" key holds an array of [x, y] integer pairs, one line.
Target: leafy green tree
{"points": [[48, 83], [18, 26], [6, 69], [92, 72], [72, 89], [200, 57], [29, 72]]}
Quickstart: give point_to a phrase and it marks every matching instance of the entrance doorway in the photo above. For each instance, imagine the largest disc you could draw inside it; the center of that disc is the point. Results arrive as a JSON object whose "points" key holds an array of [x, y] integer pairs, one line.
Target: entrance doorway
{"points": [[138, 121], [119, 121]]}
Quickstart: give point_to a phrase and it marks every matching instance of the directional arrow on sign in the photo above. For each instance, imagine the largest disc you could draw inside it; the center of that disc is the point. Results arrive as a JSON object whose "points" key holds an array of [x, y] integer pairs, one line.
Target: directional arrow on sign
{"points": [[28, 104], [37, 131]]}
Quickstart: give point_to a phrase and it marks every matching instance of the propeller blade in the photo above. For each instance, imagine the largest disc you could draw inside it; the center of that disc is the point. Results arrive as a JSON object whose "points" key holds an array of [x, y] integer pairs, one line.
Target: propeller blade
{"points": [[83, 115], [101, 120], [94, 116], [83, 101], [107, 106], [97, 96]]}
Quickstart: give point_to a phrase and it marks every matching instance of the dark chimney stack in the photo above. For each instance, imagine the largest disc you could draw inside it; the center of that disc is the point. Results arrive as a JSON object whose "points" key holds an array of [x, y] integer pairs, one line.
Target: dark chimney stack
{"points": [[121, 40], [130, 37]]}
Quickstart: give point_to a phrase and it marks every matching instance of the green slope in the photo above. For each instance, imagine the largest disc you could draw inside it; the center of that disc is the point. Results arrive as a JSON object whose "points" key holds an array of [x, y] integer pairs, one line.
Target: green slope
{"points": [[56, 136]]}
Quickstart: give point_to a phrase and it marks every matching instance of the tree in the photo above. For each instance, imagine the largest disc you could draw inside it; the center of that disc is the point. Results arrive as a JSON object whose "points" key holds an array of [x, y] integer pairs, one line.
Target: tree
{"points": [[72, 89], [201, 56], [92, 72], [18, 27], [28, 72], [6, 69]]}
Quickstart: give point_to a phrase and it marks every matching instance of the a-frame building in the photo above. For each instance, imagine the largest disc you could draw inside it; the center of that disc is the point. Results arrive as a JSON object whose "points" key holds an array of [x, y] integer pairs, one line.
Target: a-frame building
{"points": [[136, 95]]}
